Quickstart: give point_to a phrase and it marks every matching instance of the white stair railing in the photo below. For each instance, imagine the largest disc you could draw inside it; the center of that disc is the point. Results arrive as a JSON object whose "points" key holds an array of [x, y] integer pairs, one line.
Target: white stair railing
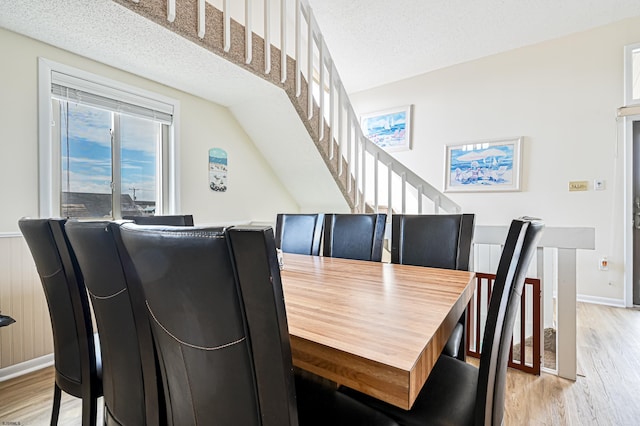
{"points": [[374, 179]]}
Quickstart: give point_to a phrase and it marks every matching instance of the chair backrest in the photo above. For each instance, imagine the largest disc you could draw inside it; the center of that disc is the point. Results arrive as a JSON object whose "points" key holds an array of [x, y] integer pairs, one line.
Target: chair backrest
{"points": [[299, 233], [168, 220], [128, 363], [258, 272], [204, 330], [438, 241], [354, 236], [73, 341], [518, 250]]}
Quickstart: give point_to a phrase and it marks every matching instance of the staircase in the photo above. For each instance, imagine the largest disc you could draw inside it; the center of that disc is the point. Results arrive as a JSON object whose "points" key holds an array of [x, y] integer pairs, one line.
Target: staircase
{"points": [[287, 49]]}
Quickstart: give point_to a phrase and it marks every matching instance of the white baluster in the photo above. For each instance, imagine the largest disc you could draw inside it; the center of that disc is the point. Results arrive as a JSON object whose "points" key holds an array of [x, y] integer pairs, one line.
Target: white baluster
{"points": [[267, 36], [248, 32], [202, 18], [226, 11], [171, 10], [283, 41]]}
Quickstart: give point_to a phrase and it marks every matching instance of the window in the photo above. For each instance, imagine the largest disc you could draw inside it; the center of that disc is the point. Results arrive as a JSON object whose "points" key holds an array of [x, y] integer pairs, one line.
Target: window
{"points": [[107, 151], [632, 74]]}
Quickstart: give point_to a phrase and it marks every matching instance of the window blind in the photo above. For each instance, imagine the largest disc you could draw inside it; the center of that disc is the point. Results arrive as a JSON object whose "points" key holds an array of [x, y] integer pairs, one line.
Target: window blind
{"points": [[84, 92]]}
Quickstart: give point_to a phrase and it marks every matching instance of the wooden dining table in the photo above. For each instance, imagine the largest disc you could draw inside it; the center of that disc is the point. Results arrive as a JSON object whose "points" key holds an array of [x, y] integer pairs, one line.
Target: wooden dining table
{"points": [[375, 327]]}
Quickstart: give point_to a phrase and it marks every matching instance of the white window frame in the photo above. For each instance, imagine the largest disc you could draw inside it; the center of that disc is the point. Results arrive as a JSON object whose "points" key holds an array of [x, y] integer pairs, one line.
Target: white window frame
{"points": [[628, 75], [49, 152]]}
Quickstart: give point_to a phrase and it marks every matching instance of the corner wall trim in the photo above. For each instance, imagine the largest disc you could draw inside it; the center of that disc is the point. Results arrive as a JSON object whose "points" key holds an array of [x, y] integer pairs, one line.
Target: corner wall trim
{"points": [[617, 303], [25, 367]]}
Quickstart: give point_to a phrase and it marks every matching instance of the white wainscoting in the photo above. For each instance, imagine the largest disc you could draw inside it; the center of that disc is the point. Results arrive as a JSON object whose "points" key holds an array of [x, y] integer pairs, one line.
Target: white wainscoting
{"points": [[22, 298]]}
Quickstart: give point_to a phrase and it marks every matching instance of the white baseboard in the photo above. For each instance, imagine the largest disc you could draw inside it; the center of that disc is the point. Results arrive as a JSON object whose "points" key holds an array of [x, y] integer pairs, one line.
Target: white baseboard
{"points": [[25, 367], [618, 303]]}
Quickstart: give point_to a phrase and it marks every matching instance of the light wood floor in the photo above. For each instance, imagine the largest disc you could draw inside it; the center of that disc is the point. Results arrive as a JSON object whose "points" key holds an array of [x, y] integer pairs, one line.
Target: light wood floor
{"points": [[607, 391]]}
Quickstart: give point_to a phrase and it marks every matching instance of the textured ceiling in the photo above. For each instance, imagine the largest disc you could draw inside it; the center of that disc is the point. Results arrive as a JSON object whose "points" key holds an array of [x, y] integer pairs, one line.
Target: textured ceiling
{"points": [[107, 32], [374, 42]]}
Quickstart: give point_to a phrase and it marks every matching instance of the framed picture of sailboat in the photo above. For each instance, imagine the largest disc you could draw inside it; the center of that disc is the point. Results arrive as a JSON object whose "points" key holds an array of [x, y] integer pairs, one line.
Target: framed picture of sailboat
{"points": [[492, 165], [389, 129]]}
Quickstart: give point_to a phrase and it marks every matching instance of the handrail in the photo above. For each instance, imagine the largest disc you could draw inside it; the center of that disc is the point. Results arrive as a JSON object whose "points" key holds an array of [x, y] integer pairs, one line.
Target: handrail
{"points": [[359, 160]]}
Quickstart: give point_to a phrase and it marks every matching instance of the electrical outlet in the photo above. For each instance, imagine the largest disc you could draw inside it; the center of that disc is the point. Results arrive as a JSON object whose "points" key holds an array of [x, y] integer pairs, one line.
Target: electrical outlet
{"points": [[603, 265]]}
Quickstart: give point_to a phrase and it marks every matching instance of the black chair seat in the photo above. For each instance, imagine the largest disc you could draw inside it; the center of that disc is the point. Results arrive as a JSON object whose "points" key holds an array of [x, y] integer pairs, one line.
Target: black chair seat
{"points": [[436, 401], [314, 399]]}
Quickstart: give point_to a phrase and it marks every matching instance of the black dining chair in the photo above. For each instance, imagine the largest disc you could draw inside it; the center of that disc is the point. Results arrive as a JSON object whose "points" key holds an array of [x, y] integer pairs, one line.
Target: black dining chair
{"points": [[354, 236], [215, 301], [437, 241], [132, 391], [78, 367], [457, 393], [168, 220], [299, 233]]}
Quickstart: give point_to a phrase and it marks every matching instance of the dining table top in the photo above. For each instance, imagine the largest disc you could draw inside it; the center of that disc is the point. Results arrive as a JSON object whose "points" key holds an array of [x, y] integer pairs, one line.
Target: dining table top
{"points": [[376, 327]]}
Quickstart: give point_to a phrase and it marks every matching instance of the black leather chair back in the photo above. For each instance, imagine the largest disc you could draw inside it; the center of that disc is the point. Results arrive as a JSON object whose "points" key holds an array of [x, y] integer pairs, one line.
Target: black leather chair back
{"points": [[259, 278], [518, 250], [125, 334], [299, 233], [437, 241], [77, 362], [200, 325], [168, 220], [354, 236]]}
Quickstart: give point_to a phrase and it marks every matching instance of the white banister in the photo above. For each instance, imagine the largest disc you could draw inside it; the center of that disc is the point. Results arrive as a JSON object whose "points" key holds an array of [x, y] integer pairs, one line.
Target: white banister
{"points": [[339, 123], [566, 241]]}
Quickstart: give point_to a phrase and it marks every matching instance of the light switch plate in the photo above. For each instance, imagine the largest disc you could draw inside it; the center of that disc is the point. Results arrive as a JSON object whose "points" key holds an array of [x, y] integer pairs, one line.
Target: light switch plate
{"points": [[578, 185]]}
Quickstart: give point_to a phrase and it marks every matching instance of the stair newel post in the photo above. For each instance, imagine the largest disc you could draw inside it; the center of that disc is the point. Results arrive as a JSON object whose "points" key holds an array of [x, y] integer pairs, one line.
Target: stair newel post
{"points": [[420, 193]]}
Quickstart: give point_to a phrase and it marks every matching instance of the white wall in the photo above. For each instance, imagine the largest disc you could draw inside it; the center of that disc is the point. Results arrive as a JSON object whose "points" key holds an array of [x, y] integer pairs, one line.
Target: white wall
{"points": [[562, 97], [254, 192]]}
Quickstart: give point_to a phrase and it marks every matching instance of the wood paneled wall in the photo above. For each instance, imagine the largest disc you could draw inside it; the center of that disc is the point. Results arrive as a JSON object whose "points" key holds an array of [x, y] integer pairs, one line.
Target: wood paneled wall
{"points": [[22, 298]]}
